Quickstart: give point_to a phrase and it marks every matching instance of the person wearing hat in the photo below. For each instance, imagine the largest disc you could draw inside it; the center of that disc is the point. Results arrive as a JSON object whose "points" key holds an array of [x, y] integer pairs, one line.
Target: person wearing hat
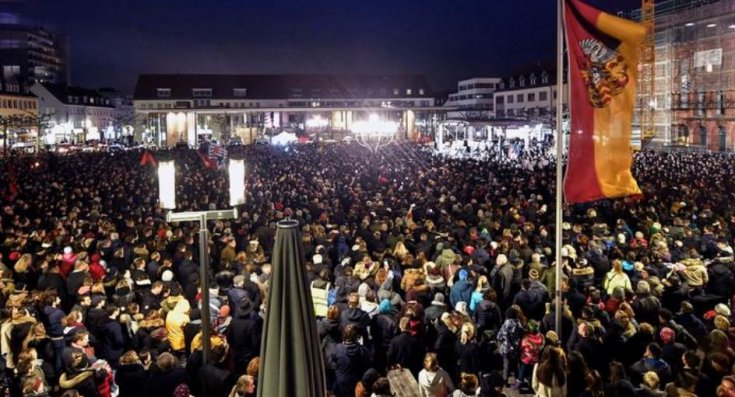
{"points": [[244, 333], [645, 305], [461, 290], [671, 350], [437, 307]]}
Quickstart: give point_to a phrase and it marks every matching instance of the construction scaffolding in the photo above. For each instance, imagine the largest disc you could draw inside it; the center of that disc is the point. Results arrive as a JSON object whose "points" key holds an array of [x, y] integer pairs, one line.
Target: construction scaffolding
{"points": [[694, 83]]}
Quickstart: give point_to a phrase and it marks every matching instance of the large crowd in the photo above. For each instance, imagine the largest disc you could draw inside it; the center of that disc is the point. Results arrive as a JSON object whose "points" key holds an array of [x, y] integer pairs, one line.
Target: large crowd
{"points": [[438, 272]]}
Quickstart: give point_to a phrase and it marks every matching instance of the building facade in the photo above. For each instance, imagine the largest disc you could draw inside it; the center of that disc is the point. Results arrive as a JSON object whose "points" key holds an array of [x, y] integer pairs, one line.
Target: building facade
{"points": [[191, 108], [473, 99], [31, 54], [530, 97], [694, 96], [76, 115], [18, 116]]}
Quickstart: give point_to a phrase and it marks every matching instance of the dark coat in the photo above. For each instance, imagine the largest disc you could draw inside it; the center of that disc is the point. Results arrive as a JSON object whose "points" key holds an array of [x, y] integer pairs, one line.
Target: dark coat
{"points": [[407, 351], [162, 383], [215, 381], [487, 316], [131, 379], [469, 357], [111, 343], [646, 309], [151, 336], [243, 336], [350, 361]]}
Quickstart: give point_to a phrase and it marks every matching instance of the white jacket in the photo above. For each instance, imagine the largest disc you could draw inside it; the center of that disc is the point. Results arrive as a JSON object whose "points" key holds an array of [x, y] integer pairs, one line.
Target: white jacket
{"points": [[435, 384]]}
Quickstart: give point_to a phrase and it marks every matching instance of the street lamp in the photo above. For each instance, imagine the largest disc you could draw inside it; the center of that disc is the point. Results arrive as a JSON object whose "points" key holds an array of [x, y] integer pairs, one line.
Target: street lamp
{"points": [[167, 199]]}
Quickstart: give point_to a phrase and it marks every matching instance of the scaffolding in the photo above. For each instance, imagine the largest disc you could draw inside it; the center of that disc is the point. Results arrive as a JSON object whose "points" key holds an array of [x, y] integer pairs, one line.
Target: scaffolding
{"points": [[694, 75], [646, 76]]}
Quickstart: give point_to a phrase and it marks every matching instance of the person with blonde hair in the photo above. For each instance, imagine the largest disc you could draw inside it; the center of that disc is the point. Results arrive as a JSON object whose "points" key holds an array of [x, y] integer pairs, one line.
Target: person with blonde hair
{"points": [[433, 380], [468, 351], [245, 386], [616, 277]]}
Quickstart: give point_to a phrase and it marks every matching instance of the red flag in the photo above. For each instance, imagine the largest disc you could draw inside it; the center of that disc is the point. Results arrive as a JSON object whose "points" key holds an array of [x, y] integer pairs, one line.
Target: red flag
{"points": [[603, 59], [207, 162], [147, 158]]}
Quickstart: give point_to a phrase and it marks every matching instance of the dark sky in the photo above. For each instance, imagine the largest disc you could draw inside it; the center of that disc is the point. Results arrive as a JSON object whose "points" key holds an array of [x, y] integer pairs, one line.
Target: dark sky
{"points": [[112, 41]]}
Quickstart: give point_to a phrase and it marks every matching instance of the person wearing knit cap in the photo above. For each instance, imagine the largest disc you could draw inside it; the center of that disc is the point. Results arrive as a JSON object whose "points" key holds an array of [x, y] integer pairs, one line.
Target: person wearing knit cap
{"points": [[671, 350], [435, 309]]}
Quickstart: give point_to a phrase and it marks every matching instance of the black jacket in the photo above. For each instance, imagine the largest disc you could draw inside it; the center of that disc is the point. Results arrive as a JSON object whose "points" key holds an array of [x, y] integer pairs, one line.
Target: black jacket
{"points": [[215, 381], [131, 379], [111, 342], [350, 361], [243, 336], [408, 351], [162, 383]]}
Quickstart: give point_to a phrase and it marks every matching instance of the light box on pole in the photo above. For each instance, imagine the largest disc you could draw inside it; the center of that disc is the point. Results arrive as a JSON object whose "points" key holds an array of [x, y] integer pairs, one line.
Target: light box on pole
{"points": [[237, 182], [167, 184]]}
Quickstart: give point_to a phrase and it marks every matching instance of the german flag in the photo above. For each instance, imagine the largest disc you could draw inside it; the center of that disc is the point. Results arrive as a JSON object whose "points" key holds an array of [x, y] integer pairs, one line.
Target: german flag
{"points": [[603, 60]]}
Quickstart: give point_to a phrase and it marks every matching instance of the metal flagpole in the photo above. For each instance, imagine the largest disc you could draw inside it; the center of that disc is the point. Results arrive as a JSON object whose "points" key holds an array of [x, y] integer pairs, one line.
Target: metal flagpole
{"points": [[559, 156]]}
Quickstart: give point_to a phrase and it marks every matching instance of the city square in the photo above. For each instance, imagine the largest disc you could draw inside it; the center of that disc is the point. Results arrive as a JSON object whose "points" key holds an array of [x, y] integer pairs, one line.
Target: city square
{"points": [[548, 221]]}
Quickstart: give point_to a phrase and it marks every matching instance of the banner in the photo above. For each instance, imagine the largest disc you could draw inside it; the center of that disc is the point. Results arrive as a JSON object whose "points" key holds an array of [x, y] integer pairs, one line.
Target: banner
{"points": [[603, 59]]}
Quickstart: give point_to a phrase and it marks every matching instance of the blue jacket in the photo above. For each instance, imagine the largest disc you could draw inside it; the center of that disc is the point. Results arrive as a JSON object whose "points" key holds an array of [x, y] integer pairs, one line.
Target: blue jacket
{"points": [[461, 292]]}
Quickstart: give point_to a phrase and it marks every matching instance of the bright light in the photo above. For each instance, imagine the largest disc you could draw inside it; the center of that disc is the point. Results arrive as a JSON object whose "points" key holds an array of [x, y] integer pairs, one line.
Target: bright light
{"points": [[373, 126], [732, 26], [237, 182], [689, 24], [712, 25], [317, 122], [167, 184]]}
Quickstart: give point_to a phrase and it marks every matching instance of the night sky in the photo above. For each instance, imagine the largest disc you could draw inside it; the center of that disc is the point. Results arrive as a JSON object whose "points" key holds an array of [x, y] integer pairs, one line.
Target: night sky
{"points": [[112, 41]]}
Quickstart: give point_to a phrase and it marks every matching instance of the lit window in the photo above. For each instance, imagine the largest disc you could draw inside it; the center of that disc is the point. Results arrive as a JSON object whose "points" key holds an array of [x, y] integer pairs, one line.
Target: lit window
{"points": [[408, 91], [163, 92], [202, 92], [421, 91], [396, 91], [240, 92]]}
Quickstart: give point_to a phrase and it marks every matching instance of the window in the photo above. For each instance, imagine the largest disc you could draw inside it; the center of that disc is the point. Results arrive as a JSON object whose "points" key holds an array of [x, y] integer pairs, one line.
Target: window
{"points": [[501, 85], [396, 91], [522, 81], [533, 79], [240, 92], [554, 94], [519, 98], [499, 99], [202, 92], [510, 98], [409, 91], [544, 78], [512, 83], [531, 97], [421, 91], [163, 92], [543, 96]]}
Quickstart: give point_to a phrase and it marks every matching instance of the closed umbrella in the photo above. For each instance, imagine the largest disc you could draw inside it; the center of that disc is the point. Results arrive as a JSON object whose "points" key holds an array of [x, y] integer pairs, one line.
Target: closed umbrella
{"points": [[290, 354]]}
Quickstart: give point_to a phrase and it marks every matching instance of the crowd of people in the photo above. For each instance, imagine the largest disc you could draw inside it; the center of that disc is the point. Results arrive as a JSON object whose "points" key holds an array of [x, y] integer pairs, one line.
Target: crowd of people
{"points": [[439, 275]]}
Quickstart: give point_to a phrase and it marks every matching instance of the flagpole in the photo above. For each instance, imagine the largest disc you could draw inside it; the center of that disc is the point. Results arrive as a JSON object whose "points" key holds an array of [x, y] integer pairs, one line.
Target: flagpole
{"points": [[559, 155]]}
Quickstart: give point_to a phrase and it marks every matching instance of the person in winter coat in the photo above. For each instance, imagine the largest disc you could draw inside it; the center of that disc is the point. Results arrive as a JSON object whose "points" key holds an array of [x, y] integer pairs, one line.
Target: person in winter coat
{"points": [[461, 290], [111, 343], [244, 333], [354, 315], [350, 361], [382, 330], [165, 376], [502, 279], [468, 351], [433, 380], [487, 315], [213, 378], [645, 306], [509, 339], [406, 349], [468, 386], [151, 334], [616, 278], [176, 320], [131, 376], [445, 344], [651, 361], [531, 346]]}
